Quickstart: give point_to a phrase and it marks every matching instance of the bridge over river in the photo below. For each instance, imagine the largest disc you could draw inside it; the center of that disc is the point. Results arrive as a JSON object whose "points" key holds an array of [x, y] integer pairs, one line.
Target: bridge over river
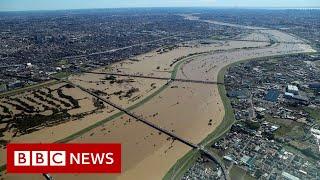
{"points": [[202, 149]]}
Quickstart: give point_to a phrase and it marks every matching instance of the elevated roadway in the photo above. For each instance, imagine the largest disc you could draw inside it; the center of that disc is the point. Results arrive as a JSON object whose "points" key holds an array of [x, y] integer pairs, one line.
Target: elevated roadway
{"points": [[151, 77]]}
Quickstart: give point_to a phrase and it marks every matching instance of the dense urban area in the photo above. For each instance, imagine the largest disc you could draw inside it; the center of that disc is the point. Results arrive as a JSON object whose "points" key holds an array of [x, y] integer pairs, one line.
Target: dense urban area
{"points": [[64, 42], [276, 104]]}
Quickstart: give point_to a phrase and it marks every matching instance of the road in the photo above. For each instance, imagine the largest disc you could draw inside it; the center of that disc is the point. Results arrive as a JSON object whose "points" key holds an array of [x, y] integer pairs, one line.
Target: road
{"points": [[160, 78]]}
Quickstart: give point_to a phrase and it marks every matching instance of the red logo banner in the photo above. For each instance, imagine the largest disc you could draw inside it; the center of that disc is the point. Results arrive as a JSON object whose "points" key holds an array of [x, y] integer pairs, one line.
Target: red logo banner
{"points": [[64, 158]]}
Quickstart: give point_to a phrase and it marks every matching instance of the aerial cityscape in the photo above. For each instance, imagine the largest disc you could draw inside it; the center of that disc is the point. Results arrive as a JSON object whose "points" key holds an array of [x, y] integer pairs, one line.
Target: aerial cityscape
{"points": [[188, 92]]}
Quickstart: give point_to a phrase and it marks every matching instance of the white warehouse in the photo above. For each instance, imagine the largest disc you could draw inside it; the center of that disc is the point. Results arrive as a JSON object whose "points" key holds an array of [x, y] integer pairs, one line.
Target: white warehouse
{"points": [[293, 89]]}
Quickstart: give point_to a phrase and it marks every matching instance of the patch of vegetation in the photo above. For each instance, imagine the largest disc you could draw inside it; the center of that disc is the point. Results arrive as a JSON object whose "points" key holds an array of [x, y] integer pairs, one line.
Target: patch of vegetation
{"points": [[3, 117], [63, 62], [131, 91], [3, 167], [118, 93], [74, 102], [5, 109], [310, 153], [286, 126], [49, 95], [26, 105], [314, 113], [99, 92], [110, 78], [26, 123], [253, 125], [98, 104], [28, 88], [218, 37], [61, 75], [68, 86], [32, 100], [236, 173], [37, 95], [19, 107]]}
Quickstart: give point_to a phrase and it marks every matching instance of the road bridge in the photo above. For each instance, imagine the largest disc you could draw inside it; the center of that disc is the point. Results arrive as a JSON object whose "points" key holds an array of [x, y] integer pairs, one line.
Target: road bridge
{"points": [[249, 40], [151, 77]]}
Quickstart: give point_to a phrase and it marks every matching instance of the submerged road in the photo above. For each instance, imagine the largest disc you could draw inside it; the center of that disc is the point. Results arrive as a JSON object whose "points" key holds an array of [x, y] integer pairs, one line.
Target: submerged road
{"points": [[202, 149]]}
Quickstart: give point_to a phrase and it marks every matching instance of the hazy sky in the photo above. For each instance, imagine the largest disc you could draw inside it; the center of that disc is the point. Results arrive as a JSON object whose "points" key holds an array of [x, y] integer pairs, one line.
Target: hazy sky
{"points": [[13, 5]]}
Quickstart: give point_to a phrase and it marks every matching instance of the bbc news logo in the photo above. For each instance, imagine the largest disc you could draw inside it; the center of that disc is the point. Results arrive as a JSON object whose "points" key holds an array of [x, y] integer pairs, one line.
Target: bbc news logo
{"points": [[64, 158]]}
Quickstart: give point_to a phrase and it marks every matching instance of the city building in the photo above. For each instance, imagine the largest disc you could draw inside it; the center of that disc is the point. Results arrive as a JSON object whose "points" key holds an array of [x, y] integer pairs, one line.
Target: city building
{"points": [[293, 89]]}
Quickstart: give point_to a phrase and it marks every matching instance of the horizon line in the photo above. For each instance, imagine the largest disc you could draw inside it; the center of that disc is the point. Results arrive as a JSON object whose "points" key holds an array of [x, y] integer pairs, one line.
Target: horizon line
{"points": [[164, 7]]}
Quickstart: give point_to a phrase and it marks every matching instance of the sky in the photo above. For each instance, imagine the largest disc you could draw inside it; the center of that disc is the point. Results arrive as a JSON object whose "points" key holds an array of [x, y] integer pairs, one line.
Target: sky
{"points": [[24, 5]]}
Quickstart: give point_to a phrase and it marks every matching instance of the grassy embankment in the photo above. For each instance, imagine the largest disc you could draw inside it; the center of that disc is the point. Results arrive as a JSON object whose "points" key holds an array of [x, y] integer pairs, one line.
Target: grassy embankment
{"points": [[62, 75], [28, 88], [36, 86]]}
